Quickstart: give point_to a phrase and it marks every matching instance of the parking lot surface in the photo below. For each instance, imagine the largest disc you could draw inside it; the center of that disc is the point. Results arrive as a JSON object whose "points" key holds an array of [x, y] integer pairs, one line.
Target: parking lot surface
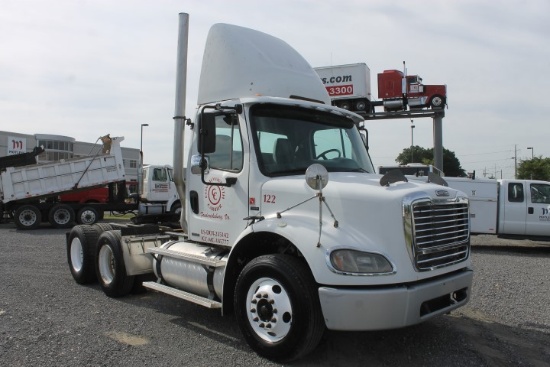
{"points": [[46, 319]]}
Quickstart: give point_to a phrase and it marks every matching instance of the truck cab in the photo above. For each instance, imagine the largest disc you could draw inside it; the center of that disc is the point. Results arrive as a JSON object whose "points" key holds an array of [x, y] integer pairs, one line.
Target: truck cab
{"points": [[398, 90], [157, 187], [524, 207]]}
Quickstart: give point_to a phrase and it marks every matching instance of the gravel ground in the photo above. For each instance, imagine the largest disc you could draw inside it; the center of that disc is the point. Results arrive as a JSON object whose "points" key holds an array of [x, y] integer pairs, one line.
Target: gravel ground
{"points": [[46, 319]]}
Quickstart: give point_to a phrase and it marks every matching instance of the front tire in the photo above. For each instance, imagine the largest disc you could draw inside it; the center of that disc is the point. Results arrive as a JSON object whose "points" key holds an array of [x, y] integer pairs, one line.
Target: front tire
{"points": [[176, 208], [110, 267], [277, 307], [27, 217]]}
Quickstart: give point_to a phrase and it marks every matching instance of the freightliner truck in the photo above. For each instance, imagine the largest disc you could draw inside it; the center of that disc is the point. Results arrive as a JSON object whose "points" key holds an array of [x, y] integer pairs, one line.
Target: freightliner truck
{"points": [[284, 221]]}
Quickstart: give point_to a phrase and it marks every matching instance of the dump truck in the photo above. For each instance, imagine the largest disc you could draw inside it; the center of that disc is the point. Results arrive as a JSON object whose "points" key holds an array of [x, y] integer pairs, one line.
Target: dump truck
{"points": [[284, 221], [29, 192]]}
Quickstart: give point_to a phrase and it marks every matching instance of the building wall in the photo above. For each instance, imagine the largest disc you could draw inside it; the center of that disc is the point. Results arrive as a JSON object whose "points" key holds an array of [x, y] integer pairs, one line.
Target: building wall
{"points": [[63, 147]]}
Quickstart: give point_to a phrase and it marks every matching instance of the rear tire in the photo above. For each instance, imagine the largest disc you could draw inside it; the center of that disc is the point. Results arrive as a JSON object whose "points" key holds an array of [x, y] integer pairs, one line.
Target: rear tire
{"points": [[111, 271], [87, 215], [27, 217], [61, 216], [81, 253], [103, 227], [277, 307]]}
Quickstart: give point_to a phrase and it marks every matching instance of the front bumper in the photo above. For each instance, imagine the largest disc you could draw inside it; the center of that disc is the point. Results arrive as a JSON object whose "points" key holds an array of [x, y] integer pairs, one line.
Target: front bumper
{"points": [[396, 306]]}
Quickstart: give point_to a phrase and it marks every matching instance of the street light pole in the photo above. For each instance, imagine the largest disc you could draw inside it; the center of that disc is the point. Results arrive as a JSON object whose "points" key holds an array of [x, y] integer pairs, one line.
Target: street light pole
{"points": [[412, 141], [141, 140], [140, 169], [532, 152]]}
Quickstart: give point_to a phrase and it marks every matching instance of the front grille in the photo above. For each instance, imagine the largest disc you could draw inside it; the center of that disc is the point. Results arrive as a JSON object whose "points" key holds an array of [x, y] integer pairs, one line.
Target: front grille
{"points": [[440, 233]]}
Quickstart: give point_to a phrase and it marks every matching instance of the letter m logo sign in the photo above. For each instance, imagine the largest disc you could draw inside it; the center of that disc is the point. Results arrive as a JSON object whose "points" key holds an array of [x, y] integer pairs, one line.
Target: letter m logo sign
{"points": [[17, 144]]}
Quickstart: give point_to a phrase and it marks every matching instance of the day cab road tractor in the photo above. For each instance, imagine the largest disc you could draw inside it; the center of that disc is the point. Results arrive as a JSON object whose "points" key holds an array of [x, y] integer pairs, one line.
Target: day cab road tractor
{"points": [[284, 221]]}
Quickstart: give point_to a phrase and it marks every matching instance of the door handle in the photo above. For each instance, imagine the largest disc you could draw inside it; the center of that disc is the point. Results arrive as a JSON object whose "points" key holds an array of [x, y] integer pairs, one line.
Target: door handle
{"points": [[530, 210], [194, 201]]}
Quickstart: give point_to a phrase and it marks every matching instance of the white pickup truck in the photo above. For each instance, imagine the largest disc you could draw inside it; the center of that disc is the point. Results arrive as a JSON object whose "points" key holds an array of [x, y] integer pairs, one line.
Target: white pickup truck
{"points": [[507, 207]]}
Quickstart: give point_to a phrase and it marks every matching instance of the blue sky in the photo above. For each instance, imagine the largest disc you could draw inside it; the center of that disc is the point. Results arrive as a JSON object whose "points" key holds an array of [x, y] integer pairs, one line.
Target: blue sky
{"points": [[85, 68]]}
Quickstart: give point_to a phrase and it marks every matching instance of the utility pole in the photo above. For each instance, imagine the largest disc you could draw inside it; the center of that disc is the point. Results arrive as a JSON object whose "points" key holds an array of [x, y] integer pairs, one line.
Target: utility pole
{"points": [[412, 141], [515, 157]]}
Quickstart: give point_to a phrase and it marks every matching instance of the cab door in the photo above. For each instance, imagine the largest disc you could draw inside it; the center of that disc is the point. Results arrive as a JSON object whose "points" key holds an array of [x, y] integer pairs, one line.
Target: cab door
{"points": [[538, 207], [159, 185], [513, 212], [218, 180]]}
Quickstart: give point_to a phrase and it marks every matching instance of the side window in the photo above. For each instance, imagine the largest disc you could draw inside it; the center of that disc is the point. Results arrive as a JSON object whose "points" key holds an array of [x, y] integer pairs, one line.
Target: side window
{"points": [[333, 143], [540, 193], [515, 192], [228, 154], [268, 147], [159, 174]]}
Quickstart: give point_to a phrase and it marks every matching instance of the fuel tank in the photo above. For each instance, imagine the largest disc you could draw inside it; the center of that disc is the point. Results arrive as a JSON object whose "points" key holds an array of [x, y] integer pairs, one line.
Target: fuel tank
{"points": [[192, 267]]}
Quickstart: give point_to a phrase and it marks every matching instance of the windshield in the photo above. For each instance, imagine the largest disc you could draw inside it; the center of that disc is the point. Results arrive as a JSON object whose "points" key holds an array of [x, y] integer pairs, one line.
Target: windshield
{"points": [[290, 139]]}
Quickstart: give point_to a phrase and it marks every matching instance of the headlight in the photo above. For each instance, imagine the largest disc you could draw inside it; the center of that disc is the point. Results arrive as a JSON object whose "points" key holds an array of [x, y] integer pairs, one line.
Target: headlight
{"points": [[358, 262]]}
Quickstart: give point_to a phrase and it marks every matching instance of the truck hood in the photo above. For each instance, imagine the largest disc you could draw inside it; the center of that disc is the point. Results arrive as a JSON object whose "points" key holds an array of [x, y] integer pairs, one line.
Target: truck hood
{"points": [[351, 196], [369, 217]]}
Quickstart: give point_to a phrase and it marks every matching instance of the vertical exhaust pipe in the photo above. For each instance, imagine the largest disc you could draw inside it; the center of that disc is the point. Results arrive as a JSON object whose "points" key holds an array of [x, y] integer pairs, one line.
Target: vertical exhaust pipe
{"points": [[179, 115]]}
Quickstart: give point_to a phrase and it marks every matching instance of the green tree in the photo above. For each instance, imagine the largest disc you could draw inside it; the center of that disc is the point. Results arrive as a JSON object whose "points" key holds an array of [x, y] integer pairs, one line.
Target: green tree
{"points": [[451, 164], [537, 168]]}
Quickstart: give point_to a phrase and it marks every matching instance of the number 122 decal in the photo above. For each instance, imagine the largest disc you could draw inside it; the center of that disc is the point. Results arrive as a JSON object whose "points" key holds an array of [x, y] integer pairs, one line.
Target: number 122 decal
{"points": [[269, 199]]}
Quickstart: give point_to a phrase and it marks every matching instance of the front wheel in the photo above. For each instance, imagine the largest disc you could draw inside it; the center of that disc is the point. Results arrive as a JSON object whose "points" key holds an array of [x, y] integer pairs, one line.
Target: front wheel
{"points": [[277, 307], [176, 208], [27, 217]]}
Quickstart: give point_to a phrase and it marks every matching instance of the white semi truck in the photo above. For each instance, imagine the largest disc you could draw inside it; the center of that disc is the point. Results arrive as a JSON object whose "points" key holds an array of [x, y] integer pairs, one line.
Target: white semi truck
{"points": [[157, 191], [284, 221]]}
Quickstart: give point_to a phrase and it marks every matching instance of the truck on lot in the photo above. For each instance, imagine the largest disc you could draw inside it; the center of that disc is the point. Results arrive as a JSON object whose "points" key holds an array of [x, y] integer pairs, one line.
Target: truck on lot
{"points": [[82, 189], [157, 191], [348, 86], [397, 91], [506, 207], [29, 192], [284, 220]]}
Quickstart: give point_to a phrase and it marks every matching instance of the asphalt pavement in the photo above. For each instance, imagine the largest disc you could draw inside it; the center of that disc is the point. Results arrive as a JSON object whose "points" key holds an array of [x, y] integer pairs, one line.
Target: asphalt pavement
{"points": [[47, 319]]}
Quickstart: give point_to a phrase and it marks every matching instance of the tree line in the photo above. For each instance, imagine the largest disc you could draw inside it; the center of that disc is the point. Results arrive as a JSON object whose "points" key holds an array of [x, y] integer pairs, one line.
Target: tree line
{"points": [[537, 168]]}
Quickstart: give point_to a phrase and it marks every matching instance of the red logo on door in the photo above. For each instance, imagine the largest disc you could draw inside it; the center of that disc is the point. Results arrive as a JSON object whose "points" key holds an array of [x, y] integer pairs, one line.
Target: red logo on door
{"points": [[214, 195]]}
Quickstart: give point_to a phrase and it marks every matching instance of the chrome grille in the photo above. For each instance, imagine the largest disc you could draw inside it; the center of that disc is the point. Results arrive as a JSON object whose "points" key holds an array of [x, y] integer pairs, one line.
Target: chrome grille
{"points": [[441, 235]]}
